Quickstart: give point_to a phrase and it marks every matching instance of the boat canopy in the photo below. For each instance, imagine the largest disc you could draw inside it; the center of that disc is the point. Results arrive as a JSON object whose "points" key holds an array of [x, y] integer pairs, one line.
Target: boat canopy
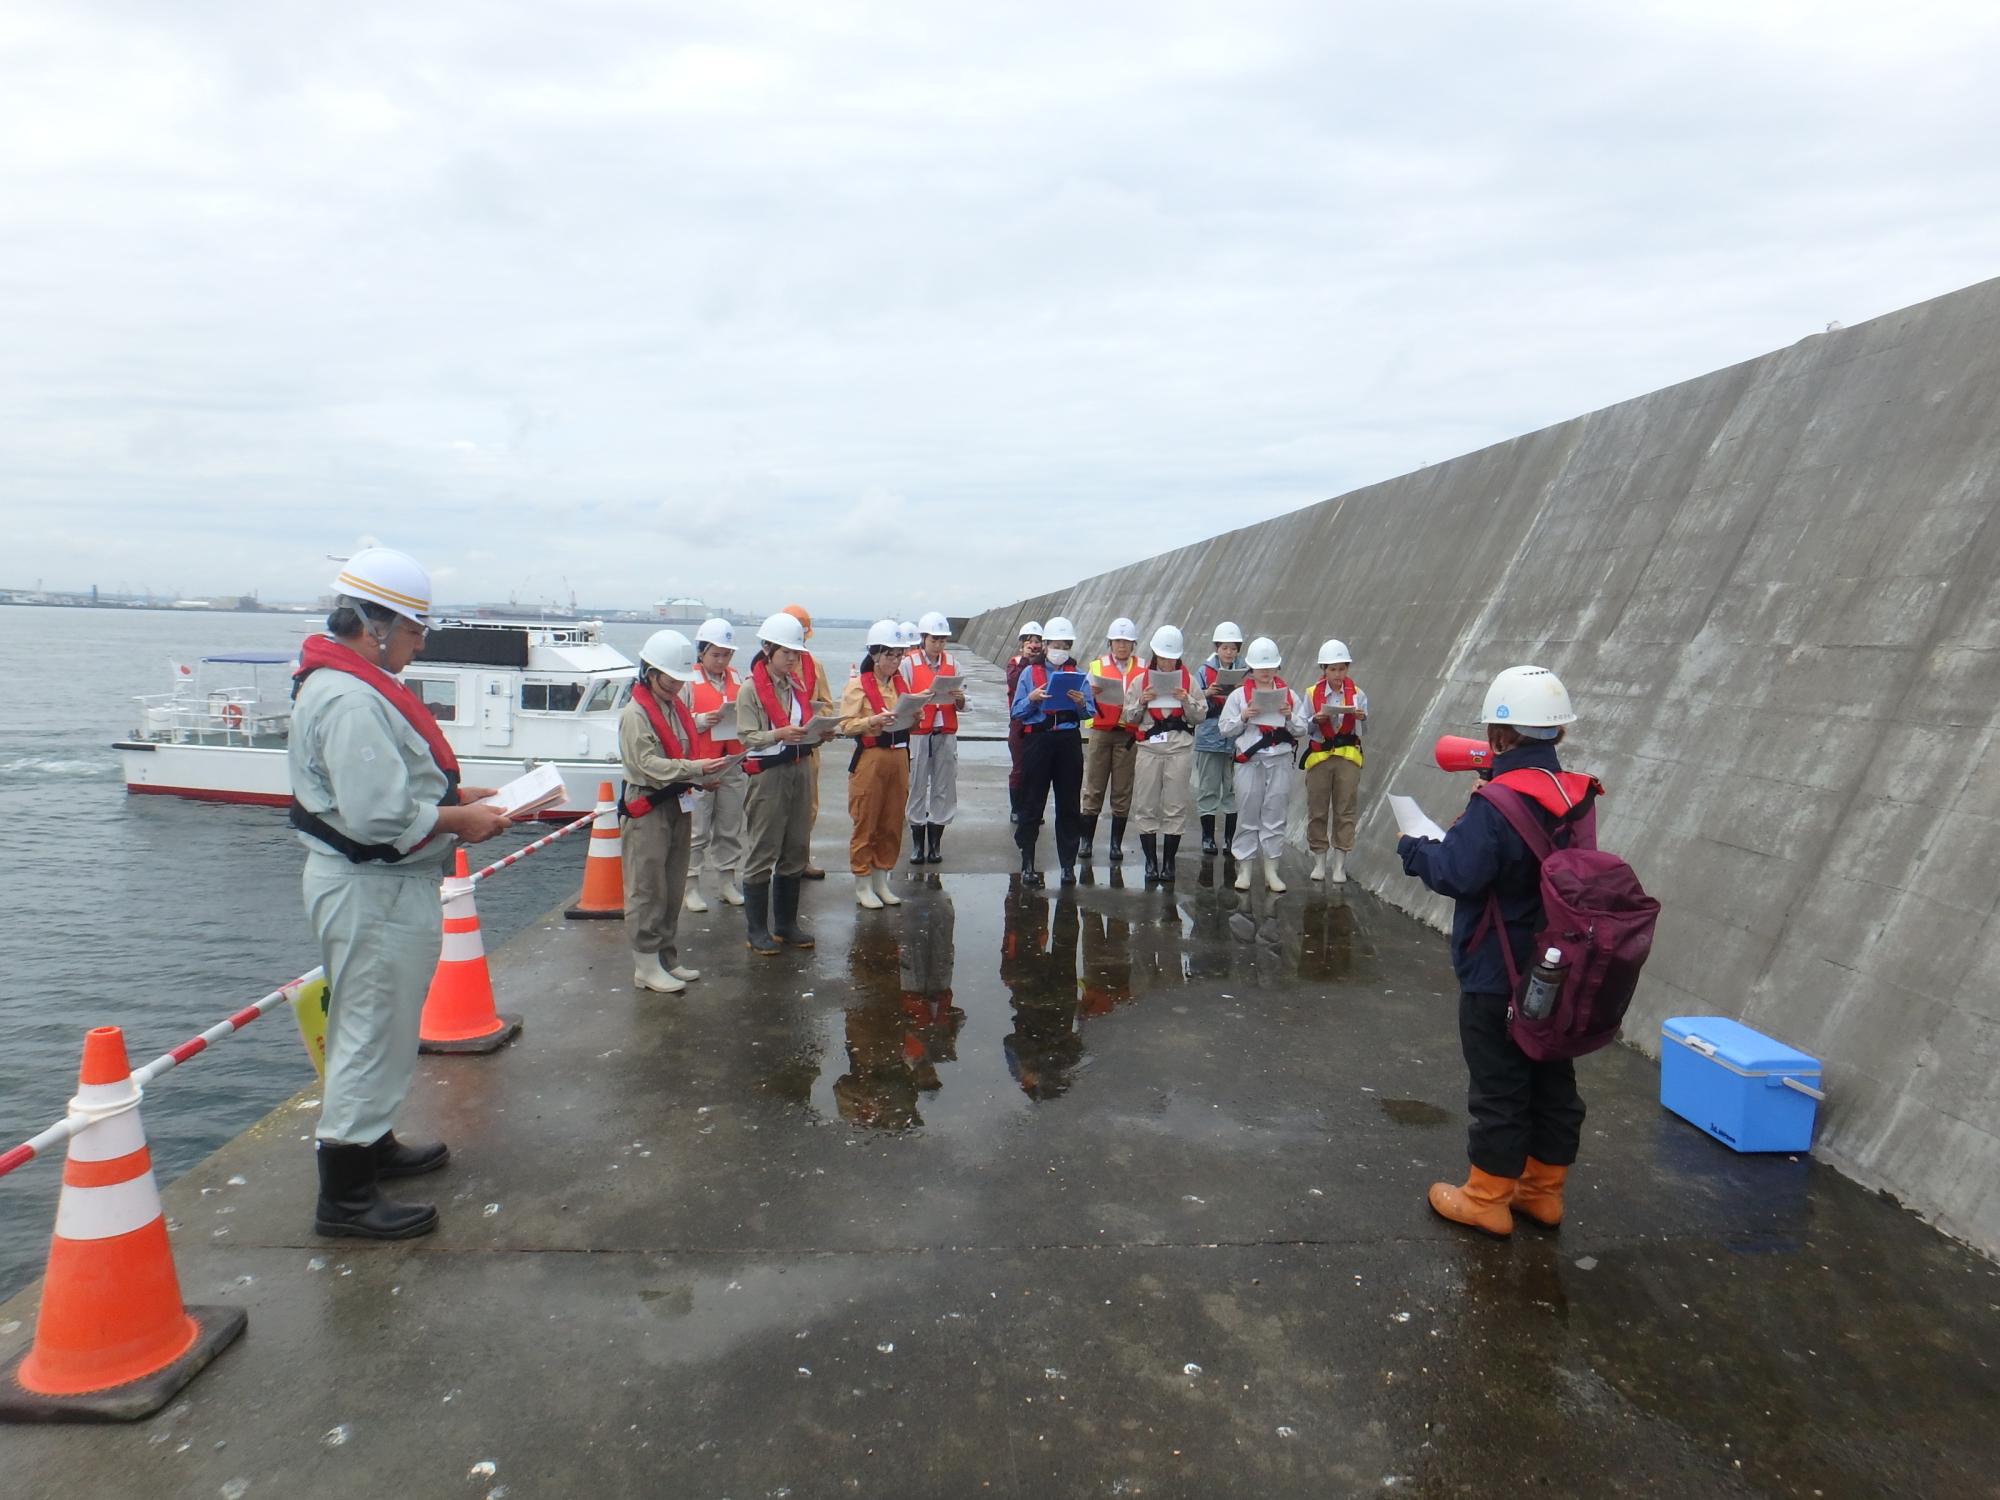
{"points": [[254, 658]]}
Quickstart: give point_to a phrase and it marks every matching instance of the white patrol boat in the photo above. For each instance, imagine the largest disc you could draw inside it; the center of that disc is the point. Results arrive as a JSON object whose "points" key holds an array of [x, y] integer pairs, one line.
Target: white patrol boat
{"points": [[509, 695]]}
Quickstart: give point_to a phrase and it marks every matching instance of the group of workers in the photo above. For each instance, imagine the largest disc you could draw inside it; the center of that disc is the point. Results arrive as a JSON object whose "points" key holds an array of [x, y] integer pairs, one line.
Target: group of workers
{"points": [[723, 780], [1232, 730]]}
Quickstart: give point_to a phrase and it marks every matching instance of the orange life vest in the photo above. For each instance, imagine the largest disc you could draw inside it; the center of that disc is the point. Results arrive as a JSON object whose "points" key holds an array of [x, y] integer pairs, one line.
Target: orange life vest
{"points": [[1345, 726], [708, 699], [1108, 714], [919, 674]]}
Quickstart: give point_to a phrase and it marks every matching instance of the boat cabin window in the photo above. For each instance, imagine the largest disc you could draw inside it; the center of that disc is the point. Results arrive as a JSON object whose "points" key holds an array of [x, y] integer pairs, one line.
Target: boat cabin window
{"points": [[603, 695], [551, 697], [439, 695]]}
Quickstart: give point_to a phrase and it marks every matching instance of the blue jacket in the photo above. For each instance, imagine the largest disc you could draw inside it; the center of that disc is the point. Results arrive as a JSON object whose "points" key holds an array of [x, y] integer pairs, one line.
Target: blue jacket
{"points": [[1208, 733], [1481, 854], [1028, 715]]}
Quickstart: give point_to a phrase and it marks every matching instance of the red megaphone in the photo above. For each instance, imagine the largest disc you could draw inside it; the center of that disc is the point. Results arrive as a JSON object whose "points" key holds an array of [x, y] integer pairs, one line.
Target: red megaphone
{"points": [[1457, 753]]}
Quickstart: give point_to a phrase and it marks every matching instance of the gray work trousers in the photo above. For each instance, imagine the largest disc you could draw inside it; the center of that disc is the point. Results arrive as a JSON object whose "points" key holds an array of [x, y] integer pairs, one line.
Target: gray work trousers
{"points": [[933, 778], [718, 827], [656, 850], [1214, 782], [779, 813]]}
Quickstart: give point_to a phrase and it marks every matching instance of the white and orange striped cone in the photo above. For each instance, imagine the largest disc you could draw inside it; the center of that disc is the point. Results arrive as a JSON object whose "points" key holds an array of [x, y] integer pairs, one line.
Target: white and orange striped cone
{"points": [[603, 894], [112, 1341], [458, 1012]]}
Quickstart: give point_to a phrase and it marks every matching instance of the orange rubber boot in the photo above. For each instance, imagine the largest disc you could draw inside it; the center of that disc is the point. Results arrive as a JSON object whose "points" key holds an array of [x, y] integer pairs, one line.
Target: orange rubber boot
{"points": [[1481, 1203], [1539, 1194]]}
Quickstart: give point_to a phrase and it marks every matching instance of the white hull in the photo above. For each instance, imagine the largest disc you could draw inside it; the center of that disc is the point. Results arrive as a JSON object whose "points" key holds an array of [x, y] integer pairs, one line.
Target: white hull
{"points": [[239, 773]]}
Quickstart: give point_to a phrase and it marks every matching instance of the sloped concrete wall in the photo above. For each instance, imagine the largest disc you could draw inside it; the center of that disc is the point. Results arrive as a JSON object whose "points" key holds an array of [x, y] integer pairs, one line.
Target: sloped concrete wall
{"points": [[1775, 594]]}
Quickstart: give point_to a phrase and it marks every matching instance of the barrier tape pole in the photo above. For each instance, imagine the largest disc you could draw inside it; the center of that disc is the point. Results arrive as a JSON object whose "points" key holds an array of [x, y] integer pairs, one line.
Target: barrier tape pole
{"points": [[63, 1129]]}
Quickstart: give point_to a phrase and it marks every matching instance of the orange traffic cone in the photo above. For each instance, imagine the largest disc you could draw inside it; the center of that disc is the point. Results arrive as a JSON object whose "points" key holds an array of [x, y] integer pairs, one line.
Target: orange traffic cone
{"points": [[603, 894], [1457, 753], [112, 1341], [458, 1012]]}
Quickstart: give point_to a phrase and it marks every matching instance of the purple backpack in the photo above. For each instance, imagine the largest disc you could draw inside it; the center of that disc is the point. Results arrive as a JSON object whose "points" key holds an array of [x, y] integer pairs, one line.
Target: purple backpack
{"points": [[1594, 910]]}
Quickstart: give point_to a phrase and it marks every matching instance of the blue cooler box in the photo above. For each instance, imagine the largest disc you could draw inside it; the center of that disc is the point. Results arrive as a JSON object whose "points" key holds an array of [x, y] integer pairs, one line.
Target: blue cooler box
{"points": [[1749, 1092]]}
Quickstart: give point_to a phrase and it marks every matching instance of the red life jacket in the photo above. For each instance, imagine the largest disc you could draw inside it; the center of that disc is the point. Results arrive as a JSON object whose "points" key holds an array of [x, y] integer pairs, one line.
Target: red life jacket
{"points": [[708, 699], [1269, 734], [676, 748], [871, 689], [1347, 721], [1560, 793], [918, 672], [767, 694], [1168, 720]]}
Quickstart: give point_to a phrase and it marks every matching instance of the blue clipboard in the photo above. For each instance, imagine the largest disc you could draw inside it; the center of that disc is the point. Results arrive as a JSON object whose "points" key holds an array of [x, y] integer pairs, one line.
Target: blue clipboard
{"points": [[1062, 684]]}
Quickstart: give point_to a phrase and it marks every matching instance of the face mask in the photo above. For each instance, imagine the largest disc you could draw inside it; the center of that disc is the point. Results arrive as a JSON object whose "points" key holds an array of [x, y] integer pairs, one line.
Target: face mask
{"points": [[1057, 655]]}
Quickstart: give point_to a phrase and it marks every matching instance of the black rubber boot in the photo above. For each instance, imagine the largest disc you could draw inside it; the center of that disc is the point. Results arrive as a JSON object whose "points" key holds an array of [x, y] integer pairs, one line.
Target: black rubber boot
{"points": [[394, 1158], [1151, 848], [1169, 847], [1089, 838], [1030, 876], [757, 914], [351, 1204], [1069, 875], [918, 852], [937, 843], [785, 926], [1117, 840], [1229, 835], [1208, 833]]}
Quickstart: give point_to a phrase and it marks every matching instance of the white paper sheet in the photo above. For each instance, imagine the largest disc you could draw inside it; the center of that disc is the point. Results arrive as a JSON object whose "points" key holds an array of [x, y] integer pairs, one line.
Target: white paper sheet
{"points": [[909, 708], [1412, 819], [1109, 691], [540, 788]]}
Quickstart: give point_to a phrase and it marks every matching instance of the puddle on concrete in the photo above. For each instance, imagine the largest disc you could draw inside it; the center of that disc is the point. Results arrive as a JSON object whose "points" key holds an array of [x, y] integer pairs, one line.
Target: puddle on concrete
{"points": [[1414, 1112]]}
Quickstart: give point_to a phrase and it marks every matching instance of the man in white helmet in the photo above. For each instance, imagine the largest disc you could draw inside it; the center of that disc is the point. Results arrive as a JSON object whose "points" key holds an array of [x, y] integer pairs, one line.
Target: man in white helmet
{"points": [[933, 743], [1109, 756], [1527, 1117], [1030, 650], [378, 805], [1215, 757], [718, 814], [1049, 715], [664, 772], [1338, 719]]}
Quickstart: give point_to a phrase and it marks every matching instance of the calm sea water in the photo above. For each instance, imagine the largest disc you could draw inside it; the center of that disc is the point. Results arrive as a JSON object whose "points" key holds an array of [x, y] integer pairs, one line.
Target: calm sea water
{"points": [[154, 914]]}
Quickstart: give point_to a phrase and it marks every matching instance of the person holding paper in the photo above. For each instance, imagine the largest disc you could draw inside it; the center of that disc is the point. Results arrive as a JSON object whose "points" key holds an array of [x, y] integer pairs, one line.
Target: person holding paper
{"points": [[1263, 720], [1164, 710], [1338, 718], [778, 808], [657, 741], [718, 813], [1031, 650], [1051, 699], [820, 693], [878, 777], [1108, 758], [934, 741], [1215, 757]]}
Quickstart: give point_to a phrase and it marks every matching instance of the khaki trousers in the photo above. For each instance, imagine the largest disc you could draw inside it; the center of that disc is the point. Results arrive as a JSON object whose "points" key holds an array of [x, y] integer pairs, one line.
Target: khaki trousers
{"points": [[656, 849], [1107, 763], [778, 809], [1333, 792], [877, 790], [1160, 783], [718, 826]]}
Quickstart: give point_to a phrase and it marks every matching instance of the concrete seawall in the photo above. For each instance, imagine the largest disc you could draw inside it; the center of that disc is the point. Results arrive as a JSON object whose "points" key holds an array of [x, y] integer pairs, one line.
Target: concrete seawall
{"points": [[1775, 592]]}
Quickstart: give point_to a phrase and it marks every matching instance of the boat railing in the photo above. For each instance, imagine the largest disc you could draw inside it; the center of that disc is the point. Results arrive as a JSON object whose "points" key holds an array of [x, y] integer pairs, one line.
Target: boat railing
{"points": [[222, 716]]}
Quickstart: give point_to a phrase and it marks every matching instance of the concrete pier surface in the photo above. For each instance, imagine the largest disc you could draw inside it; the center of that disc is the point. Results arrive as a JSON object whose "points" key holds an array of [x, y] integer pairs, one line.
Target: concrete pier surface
{"points": [[1103, 1191]]}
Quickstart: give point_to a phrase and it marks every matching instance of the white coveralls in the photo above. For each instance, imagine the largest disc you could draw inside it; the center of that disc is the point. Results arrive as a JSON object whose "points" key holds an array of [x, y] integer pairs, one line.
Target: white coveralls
{"points": [[357, 763], [1263, 782]]}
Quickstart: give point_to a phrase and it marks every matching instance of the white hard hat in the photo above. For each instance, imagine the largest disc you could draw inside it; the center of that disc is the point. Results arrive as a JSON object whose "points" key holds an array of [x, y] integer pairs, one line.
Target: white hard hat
{"points": [[390, 578], [717, 632], [1033, 627], [1228, 630], [1528, 698], [885, 633], [906, 633], [1333, 651], [1122, 629], [935, 624], [1059, 629], [1264, 653], [671, 652], [783, 630], [1167, 642]]}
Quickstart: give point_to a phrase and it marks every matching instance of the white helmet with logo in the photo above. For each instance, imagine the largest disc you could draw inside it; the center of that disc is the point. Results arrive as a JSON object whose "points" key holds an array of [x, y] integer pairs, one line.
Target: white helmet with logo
{"points": [[717, 632], [670, 652], [1032, 628], [1264, 653], [783, 630], [1333, 652], [1528, 698], [1122, 629], [1228, 630], [906, 633], [1059, 629], [1167, 642], [390, 578], [885, 633], [935, 624]]}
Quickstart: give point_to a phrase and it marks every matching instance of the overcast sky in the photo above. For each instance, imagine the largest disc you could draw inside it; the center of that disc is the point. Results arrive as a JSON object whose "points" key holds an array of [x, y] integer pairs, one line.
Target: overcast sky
{"points": [[887, 307]]}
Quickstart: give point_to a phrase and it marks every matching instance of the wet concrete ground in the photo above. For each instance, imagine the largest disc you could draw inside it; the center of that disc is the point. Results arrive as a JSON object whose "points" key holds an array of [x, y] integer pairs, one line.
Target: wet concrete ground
{"points": [[1111, 1191]]}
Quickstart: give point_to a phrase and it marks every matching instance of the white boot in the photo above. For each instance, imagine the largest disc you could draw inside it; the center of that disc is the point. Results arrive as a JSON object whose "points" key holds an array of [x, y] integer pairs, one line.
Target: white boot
{"points": [[684, 974], [732, 893], [1243, 869], [1319, 866], [882, 891], [647, 974], [1271, 881], [1339, 873], [695, 900], [864, 893]]}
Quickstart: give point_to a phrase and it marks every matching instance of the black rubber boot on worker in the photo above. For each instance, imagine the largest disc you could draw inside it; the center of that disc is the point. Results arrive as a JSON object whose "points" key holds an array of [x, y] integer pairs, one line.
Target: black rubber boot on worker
{"points": [[1030, 876], [1229, 834], [937, 843], [1151, 847], [394, 1158], [757, 914], [351, 1204], [919, 844], [1208, 833], [1089, 838], [1117, 840], [1169, 847], [785, 926]]}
